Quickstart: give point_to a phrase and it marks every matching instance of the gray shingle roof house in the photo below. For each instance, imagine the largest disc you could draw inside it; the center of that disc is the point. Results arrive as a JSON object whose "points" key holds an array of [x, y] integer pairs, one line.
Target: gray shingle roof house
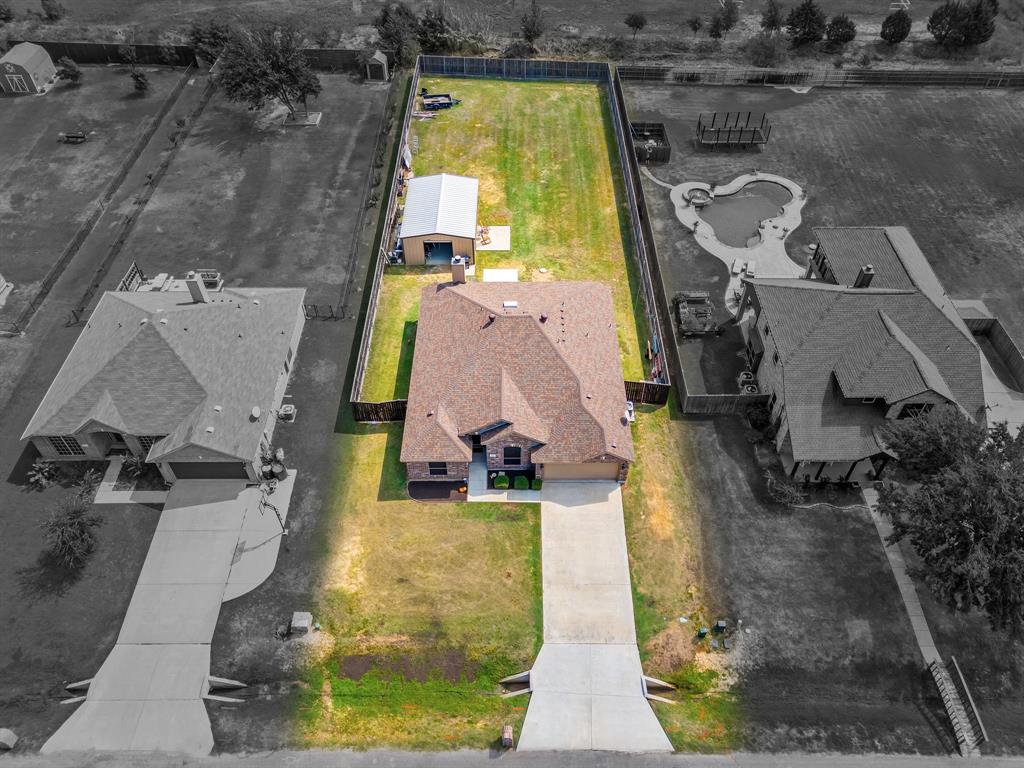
{"points": [[526, 374], [439, 219], [192, 385], [869, 335]]}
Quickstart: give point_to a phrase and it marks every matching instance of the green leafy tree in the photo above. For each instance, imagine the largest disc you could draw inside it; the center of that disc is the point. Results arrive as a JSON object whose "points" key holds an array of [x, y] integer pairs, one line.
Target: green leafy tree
{"points": [[765, 50], [730, 15], [398, 29], [716, 28], [948, 24], [771, 17], [53, 10], [980, 22], [695, 23], [209, 37], [6, 14], [938, 439], [128, 55], [68, 70], [805, 24], [141, 81], [966, 523], [636, 22], [532, 23], [840, 30], [69, 531], [266, 63], [437, 32], [896, 27]]}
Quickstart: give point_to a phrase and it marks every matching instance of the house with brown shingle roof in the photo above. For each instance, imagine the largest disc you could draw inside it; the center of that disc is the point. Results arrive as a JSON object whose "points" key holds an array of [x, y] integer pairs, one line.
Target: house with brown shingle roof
{"points": [[525, 377], [190, 380], [867, 336]]}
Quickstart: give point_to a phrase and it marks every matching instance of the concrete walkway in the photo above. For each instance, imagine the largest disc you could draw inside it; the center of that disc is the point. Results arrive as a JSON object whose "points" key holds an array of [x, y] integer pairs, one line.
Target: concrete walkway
{"points": [[587, 688], [906, 586], [105, 493], [212, 544], [477, 490]]}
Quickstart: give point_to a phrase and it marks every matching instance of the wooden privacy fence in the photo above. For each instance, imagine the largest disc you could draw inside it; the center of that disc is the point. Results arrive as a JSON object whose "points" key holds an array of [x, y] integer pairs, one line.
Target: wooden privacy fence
{"points": [[960, 683], [332, 59], [721, 405], [388, 410], [383, 243], [112, 53], [824, 78], [514, 69], [647, 392]]}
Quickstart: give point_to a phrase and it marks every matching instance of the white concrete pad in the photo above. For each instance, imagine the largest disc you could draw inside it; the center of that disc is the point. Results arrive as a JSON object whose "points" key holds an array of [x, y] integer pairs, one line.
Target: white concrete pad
{"points": [[501, 239], [593, 613], [501, 275], [622, 724], [141, 672], [96, 725], [557, 721], [173, 726], [203, 505], [189, 557], [172, 613]]}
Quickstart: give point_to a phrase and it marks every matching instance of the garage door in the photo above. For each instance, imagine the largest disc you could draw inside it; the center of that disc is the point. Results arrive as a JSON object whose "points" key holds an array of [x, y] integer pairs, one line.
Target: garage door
{"points": [[597, 471], [209, 470]]}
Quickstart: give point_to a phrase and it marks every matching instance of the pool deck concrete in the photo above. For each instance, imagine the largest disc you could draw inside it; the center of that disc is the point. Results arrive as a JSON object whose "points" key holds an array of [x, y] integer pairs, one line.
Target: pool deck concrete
{"points": [[769, 254]]}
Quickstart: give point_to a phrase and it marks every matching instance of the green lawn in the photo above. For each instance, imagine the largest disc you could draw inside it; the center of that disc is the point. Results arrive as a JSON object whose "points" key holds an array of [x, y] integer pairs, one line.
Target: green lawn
{"points": [[424, 607], [548, 166]]}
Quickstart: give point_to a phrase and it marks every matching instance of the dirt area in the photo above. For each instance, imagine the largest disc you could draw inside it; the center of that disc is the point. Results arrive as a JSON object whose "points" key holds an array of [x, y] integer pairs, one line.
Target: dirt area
{"points": [[451, 665], [263, 204], [50, 188]]}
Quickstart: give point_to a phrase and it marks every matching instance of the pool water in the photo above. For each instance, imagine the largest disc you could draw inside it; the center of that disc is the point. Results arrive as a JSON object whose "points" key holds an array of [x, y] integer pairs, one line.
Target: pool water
{"points": [[736, 217]]}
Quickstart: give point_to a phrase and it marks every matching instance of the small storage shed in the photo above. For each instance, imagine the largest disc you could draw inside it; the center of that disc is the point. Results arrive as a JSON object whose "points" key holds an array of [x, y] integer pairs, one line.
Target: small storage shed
{"points": [[377, 68], [26, 68], [439, 221]]}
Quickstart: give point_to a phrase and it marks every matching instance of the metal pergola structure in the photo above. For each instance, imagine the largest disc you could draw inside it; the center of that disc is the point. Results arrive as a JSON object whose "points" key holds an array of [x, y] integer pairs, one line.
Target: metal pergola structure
{"points": [[733, 129]]}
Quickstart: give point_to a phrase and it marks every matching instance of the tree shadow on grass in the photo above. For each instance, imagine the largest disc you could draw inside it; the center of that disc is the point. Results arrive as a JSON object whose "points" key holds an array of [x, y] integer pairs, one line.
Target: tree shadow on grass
{"points": [[48, 578]]}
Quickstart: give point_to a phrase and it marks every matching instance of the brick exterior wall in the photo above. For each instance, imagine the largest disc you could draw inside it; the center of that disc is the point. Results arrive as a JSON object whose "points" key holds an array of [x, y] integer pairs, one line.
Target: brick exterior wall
{"points": [[495, 452], [420, 470]]}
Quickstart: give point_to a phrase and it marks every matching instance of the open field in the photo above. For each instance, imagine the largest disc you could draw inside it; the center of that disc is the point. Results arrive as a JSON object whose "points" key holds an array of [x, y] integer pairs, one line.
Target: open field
{"points": [[50, 188], [546, 158], [263, 204], [864, 157]]}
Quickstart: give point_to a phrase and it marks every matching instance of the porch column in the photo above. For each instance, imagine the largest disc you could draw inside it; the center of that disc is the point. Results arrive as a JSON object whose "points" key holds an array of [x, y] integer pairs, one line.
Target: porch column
{"points": [[821, 468], [796, 466], [853, 465]]}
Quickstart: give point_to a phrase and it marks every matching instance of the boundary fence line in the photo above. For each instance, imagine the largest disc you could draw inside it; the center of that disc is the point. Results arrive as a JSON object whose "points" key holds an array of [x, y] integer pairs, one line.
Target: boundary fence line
{"points": [[821, 78], [514, 69]]}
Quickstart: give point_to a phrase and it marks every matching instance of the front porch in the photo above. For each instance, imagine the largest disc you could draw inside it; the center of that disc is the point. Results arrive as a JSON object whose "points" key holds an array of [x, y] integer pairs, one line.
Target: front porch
{"points": [[480, 483]]}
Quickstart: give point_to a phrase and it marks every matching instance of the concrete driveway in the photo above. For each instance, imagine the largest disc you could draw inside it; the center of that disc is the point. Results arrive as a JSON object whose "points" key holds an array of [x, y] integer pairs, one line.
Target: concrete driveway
{"points": [[587, 682], [212, 544]]}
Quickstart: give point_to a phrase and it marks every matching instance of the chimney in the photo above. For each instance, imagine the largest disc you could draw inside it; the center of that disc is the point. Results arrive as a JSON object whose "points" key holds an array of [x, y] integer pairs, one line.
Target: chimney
{"points": [[197, 290], [864, 277], [458, 269]]}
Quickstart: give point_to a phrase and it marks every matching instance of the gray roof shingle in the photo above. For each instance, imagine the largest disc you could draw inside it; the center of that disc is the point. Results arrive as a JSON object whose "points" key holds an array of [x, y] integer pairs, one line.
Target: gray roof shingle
{"points": [[156, 363]]}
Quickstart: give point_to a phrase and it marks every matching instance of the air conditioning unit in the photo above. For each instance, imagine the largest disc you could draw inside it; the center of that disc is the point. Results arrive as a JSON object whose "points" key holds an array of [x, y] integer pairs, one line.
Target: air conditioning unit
{"points": [[749, 389], [286, 412], [630, 412], [747, 377]]}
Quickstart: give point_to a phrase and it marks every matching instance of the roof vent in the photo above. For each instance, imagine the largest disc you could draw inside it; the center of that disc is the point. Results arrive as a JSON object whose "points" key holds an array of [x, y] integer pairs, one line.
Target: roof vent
{"points": [[429, 414], [543, 317], [209, 430], [218, 408], [143, 321], [256, 302], [510, 305], [255, 412], [163, 321]]}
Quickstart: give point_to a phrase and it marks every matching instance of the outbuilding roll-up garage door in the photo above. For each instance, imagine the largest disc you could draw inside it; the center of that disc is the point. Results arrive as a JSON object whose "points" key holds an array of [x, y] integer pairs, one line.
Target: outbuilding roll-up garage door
{"points": [[596, 471], [209, 470]]}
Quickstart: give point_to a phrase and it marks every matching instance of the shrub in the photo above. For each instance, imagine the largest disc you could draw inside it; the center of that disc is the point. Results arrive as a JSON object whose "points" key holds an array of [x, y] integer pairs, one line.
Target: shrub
{"points": [[537, 484], [765, 50], [501, 482], [53, 10], [636, 22], [43, 474], [134, 466], [784, 491], [695, 23], [521, 483], [957, 25], [841, 30], [896, 27], [436, 32], [758, 416], [532, 23], [716, 29], [141, 82], [6, 14], [805, 24], [69, 531], [87, 483], [68, 70]]}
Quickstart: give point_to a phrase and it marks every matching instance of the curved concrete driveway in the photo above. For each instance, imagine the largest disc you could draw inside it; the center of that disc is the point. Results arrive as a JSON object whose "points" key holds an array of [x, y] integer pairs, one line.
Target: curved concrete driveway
{"points": [[587, 683], [212, 544]]}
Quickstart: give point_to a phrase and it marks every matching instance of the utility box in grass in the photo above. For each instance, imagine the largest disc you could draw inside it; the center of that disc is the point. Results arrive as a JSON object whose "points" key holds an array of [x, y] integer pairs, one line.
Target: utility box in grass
{"points": [[302, 623]]}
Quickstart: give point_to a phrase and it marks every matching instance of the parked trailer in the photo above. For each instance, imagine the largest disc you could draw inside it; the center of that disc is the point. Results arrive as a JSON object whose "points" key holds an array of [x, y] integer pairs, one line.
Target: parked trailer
{"points": [[435, 101]]}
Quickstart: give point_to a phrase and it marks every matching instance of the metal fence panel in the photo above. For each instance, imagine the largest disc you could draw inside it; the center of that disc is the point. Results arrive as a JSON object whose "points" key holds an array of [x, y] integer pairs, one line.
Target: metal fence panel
{"points": [[110, 53], [514, 69]]}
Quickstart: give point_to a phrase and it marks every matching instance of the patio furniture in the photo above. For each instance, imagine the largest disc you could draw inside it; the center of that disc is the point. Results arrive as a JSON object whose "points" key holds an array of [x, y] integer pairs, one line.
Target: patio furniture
{"points": [[737, 266], [750, 268]]}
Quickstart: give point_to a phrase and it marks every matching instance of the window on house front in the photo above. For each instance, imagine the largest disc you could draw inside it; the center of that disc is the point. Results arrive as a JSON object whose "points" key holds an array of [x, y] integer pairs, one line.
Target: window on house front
{"points": [[65, 445], [148, 441], [288, 361], [438, 468], [513, 455], [775, 357], [910, 410]]}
